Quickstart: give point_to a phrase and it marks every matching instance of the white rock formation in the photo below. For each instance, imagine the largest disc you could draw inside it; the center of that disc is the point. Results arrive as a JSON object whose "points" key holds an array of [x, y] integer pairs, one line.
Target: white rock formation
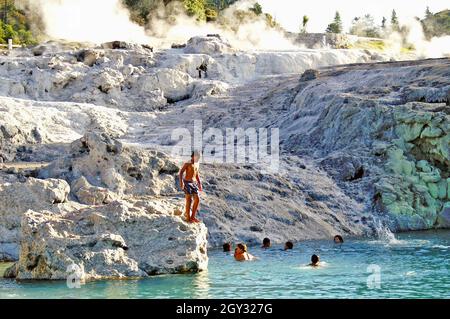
{"points": [[117, 240], [210, 45], [98, 161], [111, 227], [17, 198], [358, 143]]}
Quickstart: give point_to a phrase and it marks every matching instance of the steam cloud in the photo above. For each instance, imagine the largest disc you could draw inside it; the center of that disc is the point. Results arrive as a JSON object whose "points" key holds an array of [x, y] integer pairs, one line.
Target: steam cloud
{"points": [[86, 20], [107, 20]]}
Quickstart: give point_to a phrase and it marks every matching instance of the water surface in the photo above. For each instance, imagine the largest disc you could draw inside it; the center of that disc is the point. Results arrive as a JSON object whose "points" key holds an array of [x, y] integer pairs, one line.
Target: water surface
{"points": [[412, 265]]}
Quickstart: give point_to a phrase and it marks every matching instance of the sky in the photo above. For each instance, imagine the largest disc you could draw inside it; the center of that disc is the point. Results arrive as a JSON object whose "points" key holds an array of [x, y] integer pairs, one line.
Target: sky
{"points": [[289, 13]]}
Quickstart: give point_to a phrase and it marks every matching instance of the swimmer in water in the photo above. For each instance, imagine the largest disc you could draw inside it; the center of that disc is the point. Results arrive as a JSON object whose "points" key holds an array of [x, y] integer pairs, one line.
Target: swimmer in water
{"points": [[338, 239], [241, 253], [315, 260], [266, 243]]}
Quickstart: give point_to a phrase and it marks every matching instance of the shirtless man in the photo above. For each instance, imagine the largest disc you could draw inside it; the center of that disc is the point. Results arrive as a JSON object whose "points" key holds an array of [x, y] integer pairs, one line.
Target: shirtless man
{"points": [[191, 185]]}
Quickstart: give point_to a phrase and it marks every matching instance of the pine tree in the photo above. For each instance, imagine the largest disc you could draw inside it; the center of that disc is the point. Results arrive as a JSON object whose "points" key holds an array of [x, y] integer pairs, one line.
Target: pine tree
{"points": [[336, 25], [428, 13], [257, 9], [394, 21]]}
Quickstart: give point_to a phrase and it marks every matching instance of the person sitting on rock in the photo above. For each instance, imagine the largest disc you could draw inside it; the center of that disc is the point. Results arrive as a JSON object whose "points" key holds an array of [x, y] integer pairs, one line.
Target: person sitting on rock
{"points": [[288, 245], [315, 260], [191, 185], [203, 67], [266, 243], [338, 239], [241, 253]]}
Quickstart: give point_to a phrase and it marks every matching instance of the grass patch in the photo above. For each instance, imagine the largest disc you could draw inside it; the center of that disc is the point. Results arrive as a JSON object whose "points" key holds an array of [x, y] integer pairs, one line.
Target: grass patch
{"points": [[377, 45]]}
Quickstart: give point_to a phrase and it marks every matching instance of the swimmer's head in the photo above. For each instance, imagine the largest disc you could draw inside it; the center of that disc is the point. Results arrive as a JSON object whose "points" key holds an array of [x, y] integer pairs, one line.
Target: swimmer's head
{"points": [[338, 239], [241, 248], [315, 260], [266, 243], [288, 245], [226, 247]]}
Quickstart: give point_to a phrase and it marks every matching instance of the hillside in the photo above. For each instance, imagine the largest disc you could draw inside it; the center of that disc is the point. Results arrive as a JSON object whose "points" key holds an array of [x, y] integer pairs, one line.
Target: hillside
{"points": [[204, 10], [437, 25]]}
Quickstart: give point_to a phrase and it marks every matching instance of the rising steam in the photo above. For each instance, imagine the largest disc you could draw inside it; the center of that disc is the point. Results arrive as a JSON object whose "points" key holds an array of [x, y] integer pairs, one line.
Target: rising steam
{"points": [[86, 20], [107, 20]]}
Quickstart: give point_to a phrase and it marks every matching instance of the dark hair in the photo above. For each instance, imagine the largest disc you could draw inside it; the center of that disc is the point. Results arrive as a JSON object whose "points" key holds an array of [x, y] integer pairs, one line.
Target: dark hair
{"points": [[339, 237], [266, 241], [195, 153], [289, 245], [242, 247], [226, 247], [314, 259]]}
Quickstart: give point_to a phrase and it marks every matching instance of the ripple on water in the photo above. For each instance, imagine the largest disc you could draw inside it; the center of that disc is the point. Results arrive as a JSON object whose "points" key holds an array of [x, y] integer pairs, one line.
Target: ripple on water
{"points": [[416, 266]]}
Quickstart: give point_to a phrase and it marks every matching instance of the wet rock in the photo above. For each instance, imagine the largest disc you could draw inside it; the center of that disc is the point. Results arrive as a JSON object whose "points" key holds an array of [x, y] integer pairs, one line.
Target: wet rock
{"points": [[444, 216]]}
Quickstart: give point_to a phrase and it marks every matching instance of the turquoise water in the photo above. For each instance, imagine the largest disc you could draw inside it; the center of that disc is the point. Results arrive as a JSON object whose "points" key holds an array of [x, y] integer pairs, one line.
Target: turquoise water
{"points": [[412, 265]]}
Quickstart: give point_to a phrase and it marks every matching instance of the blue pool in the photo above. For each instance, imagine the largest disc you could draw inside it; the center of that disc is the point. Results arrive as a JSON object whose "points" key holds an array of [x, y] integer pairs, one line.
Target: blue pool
{"points": [[411, 265]]}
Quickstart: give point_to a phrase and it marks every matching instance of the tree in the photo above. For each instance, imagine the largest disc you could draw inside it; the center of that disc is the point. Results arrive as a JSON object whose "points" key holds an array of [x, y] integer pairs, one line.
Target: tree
{"points": [[365, 27], [394, 21], [428, 13], [305, 21], [25, 37], [257, 9], [9, 32], [17, 27], [2, 33], [336, 25]]}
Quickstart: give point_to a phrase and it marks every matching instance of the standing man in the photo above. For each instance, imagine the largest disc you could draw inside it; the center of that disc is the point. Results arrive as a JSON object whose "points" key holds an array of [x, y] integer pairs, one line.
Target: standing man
{"points": [[190, 183], [203, 68]]}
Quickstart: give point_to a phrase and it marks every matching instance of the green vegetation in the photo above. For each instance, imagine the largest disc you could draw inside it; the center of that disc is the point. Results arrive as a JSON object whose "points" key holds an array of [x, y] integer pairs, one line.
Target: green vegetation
{"points": [[437, 24], [376, 45], [365, 27], [256, 9], [4, 266], [305, 21], [336, 25], [202, 10], [14, 25], [395, 26]]}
